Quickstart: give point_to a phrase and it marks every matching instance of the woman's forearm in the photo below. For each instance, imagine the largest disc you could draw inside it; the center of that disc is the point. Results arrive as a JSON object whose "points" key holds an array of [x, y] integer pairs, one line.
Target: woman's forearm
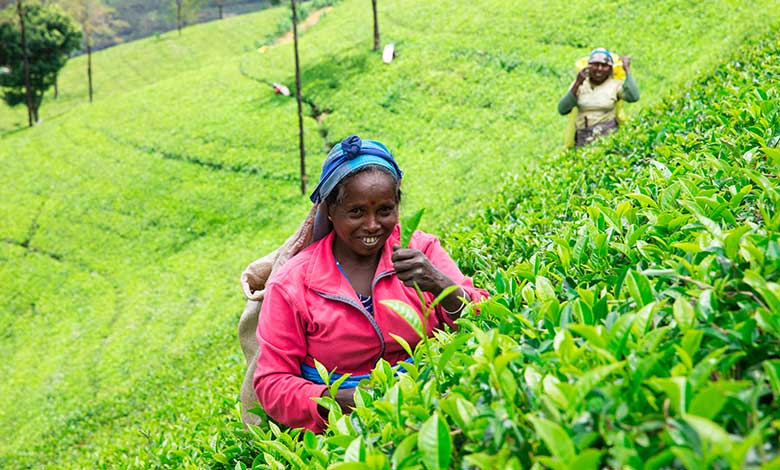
{"points": [[454, 303], [567, 103], [630, 89]]}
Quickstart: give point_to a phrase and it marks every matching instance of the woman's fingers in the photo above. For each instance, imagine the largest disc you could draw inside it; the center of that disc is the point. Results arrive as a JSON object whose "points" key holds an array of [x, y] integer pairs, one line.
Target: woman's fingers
{"points": [[405, 258], [400, 254], [413, 273], [408, 265], [413, 267]]}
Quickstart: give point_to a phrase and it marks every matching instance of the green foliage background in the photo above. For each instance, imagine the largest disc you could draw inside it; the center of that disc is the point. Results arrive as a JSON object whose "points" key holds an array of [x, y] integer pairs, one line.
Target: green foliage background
{"points": [[127, 222], [635, 321], [51, 36]]}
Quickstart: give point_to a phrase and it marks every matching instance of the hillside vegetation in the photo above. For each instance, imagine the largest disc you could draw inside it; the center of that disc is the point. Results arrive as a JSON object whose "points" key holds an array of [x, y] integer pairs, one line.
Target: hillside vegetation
{"points": [[143, 63], [126, 222], [636, 318]]}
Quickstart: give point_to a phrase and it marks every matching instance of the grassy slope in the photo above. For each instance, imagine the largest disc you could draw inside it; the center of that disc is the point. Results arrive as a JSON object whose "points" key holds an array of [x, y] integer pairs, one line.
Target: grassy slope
{"points": [[130, 219], [142, 63]]}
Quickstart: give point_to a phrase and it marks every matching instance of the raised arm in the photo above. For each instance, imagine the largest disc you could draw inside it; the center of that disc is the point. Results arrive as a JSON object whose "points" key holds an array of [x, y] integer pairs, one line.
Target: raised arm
{"points": [[569, 100], [630, 90]]}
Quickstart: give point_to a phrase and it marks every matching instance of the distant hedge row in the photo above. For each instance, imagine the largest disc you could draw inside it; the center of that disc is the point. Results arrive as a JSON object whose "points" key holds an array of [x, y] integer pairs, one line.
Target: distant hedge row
{"points": [[636, 318]]}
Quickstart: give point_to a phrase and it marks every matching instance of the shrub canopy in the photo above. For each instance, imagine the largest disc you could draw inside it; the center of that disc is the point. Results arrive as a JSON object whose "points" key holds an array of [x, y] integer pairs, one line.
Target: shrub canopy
{"points": [[50, 36]]}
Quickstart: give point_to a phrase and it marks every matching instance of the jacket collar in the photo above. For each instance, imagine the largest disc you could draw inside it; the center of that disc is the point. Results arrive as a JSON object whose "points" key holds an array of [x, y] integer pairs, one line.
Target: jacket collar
{"points": [[324, 276]]}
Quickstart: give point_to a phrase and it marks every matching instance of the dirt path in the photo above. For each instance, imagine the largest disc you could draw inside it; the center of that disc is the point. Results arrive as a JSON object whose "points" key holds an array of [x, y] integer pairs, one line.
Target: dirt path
{"points": [[310, 21]]}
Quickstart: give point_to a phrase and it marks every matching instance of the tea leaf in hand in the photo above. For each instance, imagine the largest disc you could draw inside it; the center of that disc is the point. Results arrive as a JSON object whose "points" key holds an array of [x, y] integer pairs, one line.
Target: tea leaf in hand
{"points": [[408, 226]]}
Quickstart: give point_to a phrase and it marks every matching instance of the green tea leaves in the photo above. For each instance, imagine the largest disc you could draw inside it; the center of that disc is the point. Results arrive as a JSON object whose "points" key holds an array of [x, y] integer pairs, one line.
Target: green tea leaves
{"points": [[435, 443], [772, 369], [640, 289], [407, 313], [555, 438], [408, 226], [683, 314]]}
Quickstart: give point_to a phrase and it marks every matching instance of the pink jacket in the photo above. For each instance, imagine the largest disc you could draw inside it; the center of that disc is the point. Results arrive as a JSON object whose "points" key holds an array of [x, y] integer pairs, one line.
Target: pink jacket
{"points": [[311, 311]]}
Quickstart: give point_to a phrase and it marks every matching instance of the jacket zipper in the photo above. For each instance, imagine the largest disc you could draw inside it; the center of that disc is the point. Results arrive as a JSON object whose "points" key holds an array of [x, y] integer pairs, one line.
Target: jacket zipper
{"points": [[361, 309]]}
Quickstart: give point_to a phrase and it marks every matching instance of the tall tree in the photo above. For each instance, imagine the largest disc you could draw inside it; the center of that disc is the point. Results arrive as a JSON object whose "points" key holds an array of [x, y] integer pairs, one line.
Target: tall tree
{"points": [[34, 48], [96, 19], [376, 26], [298, 96]]}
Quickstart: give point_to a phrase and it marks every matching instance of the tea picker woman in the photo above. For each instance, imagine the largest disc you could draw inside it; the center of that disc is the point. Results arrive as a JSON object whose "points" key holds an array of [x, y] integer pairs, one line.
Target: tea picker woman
{"points": [[596, 93], [325, 302]]}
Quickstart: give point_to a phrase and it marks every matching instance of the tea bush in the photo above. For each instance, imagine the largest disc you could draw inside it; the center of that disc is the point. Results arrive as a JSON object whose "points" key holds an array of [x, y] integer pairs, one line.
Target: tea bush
{"points": [[636, 318]]}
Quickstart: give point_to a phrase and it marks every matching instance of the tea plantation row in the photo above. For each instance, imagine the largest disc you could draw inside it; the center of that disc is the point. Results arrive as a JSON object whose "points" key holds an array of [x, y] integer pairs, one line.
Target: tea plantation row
{"points": [[636, 322]]}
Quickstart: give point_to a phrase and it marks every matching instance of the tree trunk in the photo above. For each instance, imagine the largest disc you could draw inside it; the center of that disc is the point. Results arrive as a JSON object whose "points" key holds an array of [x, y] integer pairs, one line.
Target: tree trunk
{"points": [[220, 12], [56, 86], [298, 97], [36, 105], [376, 26], [26, 62]]}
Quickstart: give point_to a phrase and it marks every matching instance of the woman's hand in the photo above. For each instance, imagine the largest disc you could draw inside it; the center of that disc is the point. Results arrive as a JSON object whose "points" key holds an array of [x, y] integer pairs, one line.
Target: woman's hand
{"points": [[345, 397], [626, 63], [581, 77], [413, 267]]}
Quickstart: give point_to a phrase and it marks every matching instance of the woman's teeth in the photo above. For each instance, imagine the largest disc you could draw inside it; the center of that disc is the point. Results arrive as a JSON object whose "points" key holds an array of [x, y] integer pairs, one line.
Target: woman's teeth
{"points": [[370, 240]]}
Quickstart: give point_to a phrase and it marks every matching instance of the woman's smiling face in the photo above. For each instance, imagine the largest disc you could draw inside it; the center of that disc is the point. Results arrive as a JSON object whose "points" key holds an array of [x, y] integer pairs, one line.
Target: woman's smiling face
{"points": [[599, 72], [365, 214]]}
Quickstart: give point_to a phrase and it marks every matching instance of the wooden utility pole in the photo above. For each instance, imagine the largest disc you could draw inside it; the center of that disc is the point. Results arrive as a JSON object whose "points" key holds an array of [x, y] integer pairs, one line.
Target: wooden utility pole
{"points": [[87, 26], [26, 62], [89, 67], [376, 26], [298, 97], [178, 15]]}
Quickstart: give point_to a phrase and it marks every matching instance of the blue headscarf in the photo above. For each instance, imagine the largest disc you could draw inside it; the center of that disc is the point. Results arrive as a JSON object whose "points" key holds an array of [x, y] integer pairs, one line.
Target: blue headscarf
{"points": [[345, 157], [601, 56]]}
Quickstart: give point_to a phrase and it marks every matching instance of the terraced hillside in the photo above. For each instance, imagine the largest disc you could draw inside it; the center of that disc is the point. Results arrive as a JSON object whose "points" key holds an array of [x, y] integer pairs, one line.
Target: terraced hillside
{"points": [[126, 222]]}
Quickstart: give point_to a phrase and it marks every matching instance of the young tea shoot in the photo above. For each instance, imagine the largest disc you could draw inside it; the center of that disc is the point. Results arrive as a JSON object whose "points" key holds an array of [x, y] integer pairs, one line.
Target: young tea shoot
{"points": [[408, 226]]}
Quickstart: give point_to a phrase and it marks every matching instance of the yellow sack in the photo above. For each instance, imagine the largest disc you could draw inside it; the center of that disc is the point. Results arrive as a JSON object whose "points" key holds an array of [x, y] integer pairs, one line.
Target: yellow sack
{"points": [[618, 73]]}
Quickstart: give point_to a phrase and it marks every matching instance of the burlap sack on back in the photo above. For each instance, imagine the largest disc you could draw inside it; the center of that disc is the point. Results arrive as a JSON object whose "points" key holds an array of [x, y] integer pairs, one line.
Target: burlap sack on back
{"points": [[253, 281]]}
